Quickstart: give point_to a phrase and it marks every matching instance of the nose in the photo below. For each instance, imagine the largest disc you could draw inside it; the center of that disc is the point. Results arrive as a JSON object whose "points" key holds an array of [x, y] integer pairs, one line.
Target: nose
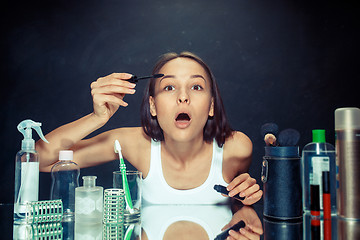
{"points": [[183, 100], [183, 97]]}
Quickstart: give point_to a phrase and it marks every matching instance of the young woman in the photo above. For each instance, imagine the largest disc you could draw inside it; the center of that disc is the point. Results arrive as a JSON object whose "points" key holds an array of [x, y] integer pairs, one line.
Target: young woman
{"points": [[185, 145]]}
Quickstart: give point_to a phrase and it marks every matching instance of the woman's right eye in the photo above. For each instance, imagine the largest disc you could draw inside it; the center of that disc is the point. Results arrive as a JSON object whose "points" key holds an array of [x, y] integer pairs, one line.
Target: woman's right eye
{"points": [[169, 88]]}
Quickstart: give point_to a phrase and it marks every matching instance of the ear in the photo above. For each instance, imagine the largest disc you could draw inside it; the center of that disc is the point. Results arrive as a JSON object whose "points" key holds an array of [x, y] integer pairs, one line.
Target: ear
{"points": [[211, 111], [152, 106]]}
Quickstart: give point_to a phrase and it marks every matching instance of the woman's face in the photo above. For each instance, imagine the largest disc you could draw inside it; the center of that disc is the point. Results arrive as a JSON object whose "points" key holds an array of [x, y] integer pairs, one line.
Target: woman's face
{"points": [[182, 101]]}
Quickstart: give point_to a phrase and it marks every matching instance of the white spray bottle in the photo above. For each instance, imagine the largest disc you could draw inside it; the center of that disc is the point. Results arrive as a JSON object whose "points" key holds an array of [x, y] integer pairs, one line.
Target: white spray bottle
{"points": [[26, 170]]}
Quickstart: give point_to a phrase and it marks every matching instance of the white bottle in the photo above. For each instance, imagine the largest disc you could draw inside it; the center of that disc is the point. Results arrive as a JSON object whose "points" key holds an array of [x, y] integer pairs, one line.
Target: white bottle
{"points": [[65, 178], [89, 202], [26, 170]]}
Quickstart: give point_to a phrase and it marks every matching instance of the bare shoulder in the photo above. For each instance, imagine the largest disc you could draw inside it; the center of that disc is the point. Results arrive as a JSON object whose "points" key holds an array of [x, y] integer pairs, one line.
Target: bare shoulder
{"points": [[238, 145], [135, 145], [130, 138], [237, 155]]}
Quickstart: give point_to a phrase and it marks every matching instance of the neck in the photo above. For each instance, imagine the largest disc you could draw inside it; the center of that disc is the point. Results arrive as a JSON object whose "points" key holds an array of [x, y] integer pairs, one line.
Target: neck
{"points": [[184, 151]]}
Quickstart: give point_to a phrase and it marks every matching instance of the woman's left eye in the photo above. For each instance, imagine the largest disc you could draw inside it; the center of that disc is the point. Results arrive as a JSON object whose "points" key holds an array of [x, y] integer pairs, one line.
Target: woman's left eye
{"points": [[197, 87]]}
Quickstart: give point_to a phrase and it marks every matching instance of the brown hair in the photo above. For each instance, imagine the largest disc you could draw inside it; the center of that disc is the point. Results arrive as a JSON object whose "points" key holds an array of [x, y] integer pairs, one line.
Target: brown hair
{"points": [[216, 127]]}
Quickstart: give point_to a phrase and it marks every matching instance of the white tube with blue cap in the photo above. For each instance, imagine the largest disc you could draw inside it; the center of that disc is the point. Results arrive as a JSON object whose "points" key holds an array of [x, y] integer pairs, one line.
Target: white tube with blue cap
{"points": [[26, 170]]}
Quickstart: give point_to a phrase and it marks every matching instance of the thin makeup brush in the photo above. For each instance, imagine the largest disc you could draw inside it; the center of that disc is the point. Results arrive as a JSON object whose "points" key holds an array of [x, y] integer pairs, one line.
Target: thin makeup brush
{"points": [[135, 79]]}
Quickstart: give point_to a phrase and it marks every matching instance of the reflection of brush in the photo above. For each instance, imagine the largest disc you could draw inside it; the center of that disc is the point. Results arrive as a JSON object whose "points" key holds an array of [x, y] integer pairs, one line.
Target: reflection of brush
{"points": [[269, 131], [288, 137], [129, 206], [135, 79]]}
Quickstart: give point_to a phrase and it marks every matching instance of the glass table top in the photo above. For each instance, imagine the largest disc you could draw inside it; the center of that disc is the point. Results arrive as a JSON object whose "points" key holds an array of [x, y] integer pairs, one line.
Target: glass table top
{"points": [[185, 222]]}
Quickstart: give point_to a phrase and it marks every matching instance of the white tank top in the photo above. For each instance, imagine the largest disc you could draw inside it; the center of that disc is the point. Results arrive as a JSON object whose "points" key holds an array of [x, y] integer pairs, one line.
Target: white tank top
{"points": [[157, 191]]}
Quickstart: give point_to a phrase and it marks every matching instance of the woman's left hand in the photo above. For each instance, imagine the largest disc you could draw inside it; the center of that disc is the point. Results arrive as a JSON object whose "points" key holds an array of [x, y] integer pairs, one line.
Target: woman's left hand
{"points": [[247, 187]]}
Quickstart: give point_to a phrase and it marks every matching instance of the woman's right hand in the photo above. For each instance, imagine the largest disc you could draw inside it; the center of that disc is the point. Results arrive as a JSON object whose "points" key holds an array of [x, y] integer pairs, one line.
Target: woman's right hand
{"points": [[108, 93]]}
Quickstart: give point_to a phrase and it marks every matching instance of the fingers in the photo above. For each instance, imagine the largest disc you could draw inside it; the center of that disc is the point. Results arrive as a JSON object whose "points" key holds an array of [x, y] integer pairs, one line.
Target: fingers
{"points": [[240, 184], [103, 99], [236, 181], [249, 232], [118, 76], [256, 229], [243, 234], [108, 93], [116, 82], [233, 235], [112, 89], [253, 198], [250, 190], [247, 187]]}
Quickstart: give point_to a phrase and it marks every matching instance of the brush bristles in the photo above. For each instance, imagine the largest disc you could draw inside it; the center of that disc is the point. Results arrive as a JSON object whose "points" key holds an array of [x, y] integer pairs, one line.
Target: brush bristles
{"points": [[269, 128], [289, 137]]}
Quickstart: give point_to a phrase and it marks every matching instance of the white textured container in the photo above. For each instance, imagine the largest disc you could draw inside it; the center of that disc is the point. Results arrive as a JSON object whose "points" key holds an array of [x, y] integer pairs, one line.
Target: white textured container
{"points": [[89, 202]]}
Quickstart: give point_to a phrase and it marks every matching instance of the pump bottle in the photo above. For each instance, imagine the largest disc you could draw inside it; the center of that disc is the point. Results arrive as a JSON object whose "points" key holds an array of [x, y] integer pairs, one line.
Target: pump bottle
{"points": [[318, 159], [26, 170]]}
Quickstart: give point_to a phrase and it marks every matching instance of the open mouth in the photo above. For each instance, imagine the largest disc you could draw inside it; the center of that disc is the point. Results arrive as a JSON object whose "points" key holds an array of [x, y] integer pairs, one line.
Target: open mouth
{"points": [[183, 117]]}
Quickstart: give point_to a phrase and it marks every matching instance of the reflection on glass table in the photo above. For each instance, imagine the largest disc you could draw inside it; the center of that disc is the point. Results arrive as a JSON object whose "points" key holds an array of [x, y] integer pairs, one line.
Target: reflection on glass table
{"points": [[312, 228], [79, 231], [163, 222], [334, 228], [157, 222], [195, 221]]}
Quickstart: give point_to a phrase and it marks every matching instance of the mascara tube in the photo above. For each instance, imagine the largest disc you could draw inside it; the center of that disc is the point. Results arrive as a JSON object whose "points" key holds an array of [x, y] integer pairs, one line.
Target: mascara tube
{"points": [[223, 190]]}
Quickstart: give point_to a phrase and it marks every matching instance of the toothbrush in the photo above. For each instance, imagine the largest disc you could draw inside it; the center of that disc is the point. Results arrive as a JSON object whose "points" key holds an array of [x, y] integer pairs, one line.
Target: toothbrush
{"points": [[129, 206], [128, 232]]}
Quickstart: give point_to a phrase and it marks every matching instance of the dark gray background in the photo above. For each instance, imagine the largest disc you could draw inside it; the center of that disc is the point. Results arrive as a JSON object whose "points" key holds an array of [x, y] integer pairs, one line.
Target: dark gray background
{"points": [[289, 62]]}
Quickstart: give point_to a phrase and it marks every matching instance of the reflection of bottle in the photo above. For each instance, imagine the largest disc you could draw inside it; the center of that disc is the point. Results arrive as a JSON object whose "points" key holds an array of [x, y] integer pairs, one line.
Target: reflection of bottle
{"points": [[65, 178], [84, 231], [89, 201], [283, 230], [347, 229], [26, 170], [347, 129], [318, 156], [315, 229]]}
